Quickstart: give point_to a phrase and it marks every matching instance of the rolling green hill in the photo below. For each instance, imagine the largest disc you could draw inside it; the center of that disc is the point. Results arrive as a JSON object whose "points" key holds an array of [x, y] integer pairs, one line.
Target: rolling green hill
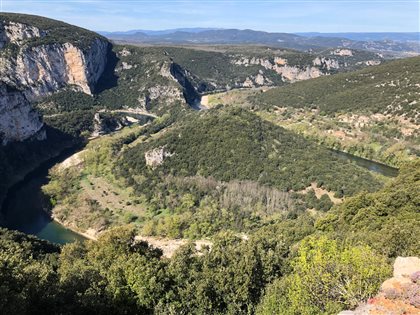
{"points": [[236, 144], [373, 113], [201, 173], [391, 88]]}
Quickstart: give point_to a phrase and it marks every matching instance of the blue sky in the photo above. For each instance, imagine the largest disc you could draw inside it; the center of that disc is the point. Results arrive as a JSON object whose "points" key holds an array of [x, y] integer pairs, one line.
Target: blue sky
{"points": [[267, 15]]}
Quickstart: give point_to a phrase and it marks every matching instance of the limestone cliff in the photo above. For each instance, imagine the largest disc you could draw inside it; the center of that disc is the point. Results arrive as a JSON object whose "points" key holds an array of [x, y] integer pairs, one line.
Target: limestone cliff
{"points": [[18, 121], [44, 69], [33, 64], [13, 32]]}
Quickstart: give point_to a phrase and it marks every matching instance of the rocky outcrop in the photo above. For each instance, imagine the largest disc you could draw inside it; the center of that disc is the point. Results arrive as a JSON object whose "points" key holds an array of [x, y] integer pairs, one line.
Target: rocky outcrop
{"points": [[32, 70], [12, 32], [280, 65], [185, 79], [44, 69], [18, 120], [399, 294], [104, 124], [326, 63], [342, 52], [155, 157]]}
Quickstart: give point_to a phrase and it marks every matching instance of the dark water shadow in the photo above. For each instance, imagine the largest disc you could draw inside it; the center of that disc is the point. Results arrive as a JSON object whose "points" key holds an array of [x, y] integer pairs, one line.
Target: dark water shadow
{"points": [[373, 166], [25, 207]]}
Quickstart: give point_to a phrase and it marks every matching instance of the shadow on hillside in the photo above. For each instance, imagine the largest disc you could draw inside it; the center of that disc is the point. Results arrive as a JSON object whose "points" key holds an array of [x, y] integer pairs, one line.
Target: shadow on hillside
{"points": [[108, 79]]}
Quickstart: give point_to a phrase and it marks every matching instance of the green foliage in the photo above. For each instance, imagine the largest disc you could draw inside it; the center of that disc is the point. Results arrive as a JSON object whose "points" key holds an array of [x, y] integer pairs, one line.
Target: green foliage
{"points": [[27, 277], [231, 170], [75, 123], [324, 203], [55, 31], [226, 280], [326, 279], [387, 220], [232, 163], [373, 89], [65, 101], [117, 275]]}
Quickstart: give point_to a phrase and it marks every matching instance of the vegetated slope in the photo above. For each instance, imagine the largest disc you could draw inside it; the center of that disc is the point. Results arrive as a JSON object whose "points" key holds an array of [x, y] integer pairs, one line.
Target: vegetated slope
{"points": [[154, 77], [117, 275], [52, 31], [227, 158], [236, 144], [373, 113], [225, 67], [284, 267], [387, 220], [391, 88], [199, 174]]}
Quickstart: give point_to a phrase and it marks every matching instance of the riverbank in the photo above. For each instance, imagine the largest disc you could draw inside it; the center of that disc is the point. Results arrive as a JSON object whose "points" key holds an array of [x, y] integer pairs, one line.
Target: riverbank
{"points": [[24, 205], [31, 166], [86, 235]]}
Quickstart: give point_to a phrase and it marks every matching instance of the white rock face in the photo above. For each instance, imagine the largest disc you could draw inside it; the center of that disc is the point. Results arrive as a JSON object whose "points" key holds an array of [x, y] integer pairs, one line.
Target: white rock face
{"points": [[259, 79], [156, 156], [12, 32], [45, 69], [248, 83], [327, 62], [288, 73], [169, 93], [342, 52], [18, 121], [405, 266], [38, 71]]}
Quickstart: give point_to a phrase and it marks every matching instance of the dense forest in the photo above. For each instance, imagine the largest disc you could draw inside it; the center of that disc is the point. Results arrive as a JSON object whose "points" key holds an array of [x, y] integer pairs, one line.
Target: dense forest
{"points": [[229, 144], [289, 227], [389, 88], [223, 169], [285, 267]]}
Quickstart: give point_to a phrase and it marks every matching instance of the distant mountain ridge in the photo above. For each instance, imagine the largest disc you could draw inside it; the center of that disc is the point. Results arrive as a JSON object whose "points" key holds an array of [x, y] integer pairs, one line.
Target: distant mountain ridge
{"points": [[162, 32], [378, 42], [368, 36]]}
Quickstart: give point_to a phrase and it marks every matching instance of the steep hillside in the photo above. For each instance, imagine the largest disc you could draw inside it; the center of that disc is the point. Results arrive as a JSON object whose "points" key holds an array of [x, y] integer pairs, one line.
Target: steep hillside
{"points": [[374, 112], [39, 56], [153, 78], [226, 67], [387, 220], [391, 88], [208, 171]]}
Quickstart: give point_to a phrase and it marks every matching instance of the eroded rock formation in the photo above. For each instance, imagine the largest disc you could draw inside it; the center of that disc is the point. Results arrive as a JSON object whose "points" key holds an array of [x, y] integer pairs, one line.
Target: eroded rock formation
{"points": [[30, 71]]}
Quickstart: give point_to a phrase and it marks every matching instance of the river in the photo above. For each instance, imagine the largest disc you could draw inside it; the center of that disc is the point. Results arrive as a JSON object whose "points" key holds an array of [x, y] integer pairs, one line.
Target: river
{"points": [[368, 164], [23, 208]]}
